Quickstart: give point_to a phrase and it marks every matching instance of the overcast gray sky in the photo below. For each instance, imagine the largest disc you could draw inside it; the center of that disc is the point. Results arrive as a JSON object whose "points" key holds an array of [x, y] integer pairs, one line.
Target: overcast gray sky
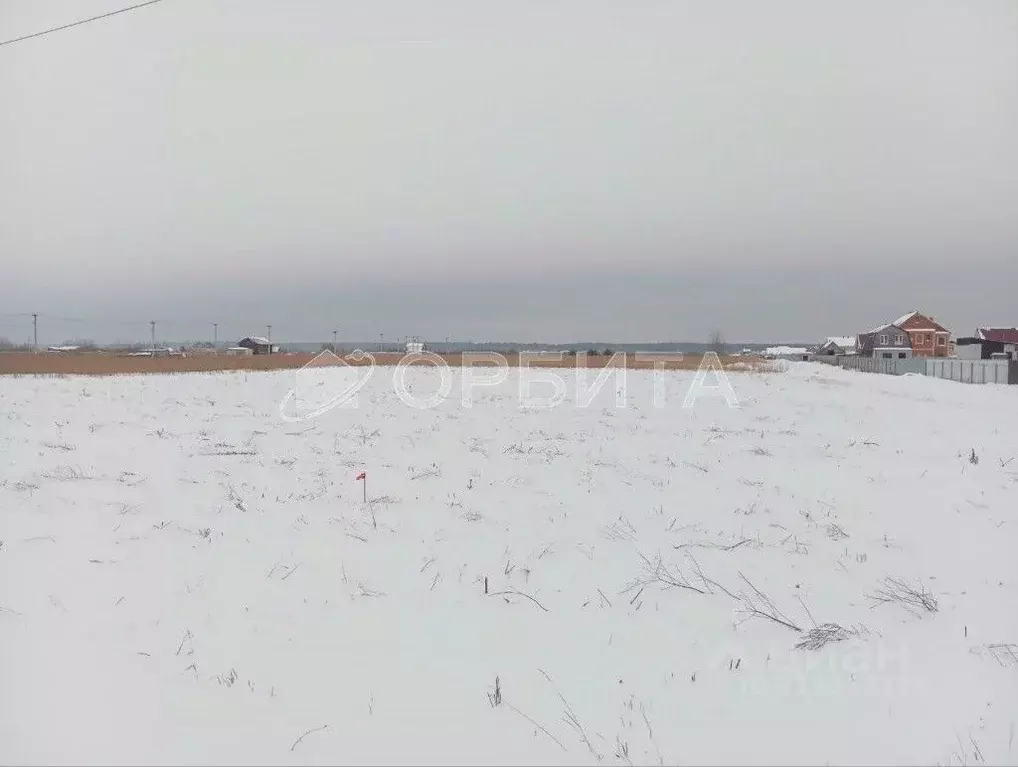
{"points": [[524, 170]]}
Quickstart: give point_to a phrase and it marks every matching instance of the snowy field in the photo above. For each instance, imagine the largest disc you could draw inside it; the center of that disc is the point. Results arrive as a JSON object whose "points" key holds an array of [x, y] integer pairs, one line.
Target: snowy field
{"points": [[827, 574]]}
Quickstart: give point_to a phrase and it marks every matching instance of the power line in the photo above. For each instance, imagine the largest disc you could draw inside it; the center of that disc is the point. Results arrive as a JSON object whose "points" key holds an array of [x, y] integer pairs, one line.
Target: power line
{"points": [[78, 23], [189, 325], [94, 320]]}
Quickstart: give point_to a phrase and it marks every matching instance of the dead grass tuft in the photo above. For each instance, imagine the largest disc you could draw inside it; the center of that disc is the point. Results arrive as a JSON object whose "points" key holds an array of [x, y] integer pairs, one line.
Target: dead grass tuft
{"points": [[916, 599], [820, 636]]}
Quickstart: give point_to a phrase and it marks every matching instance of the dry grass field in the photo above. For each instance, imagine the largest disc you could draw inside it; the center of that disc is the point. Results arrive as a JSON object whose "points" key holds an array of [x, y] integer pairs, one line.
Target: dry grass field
{"points": [[108, 363]]}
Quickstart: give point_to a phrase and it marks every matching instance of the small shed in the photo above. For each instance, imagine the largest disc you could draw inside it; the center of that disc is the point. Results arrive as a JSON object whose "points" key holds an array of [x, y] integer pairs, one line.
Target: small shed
{"points": [[257, 345]]}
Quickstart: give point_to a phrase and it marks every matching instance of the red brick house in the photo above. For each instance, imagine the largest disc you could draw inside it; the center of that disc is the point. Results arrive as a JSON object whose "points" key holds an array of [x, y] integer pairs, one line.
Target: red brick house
{"points": [[928, 337]]}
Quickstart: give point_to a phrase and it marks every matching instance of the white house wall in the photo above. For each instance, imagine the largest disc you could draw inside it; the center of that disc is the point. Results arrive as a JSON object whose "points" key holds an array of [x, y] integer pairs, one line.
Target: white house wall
{"points": [[968, 351], [894, 351]]}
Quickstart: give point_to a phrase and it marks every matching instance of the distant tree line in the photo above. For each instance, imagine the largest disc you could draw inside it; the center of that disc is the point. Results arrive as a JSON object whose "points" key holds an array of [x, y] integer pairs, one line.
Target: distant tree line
{"points": [[7, 345]]}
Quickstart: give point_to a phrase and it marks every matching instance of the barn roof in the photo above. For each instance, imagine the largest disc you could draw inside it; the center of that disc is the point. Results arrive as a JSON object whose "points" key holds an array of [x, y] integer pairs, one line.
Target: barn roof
{"points": [[256, 340]]}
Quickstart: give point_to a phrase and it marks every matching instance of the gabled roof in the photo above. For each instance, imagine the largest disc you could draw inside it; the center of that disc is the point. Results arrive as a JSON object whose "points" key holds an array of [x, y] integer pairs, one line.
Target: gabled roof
{"points": [[999, 335], [845, 342], [935, 326], [882, 328], [256, 340], [871, 338]]}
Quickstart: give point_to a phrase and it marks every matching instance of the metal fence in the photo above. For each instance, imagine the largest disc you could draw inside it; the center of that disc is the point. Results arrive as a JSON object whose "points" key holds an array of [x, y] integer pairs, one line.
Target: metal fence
{"points": [[971, 371], [894, 367], [963, 371]]}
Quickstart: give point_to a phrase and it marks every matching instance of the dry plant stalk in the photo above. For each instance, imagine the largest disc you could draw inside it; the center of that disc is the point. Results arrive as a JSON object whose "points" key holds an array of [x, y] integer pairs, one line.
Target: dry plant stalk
{"points": [[915, 599], [669, 576], [759, 605], [1004, 654], [495, 697]]}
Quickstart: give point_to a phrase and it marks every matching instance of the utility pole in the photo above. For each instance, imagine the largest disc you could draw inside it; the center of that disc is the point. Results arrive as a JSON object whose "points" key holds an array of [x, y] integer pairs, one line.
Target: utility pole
{"points": [[35, 331], [152, 323], [269, 336], [334, 334], [215, 333], [381, 340]]}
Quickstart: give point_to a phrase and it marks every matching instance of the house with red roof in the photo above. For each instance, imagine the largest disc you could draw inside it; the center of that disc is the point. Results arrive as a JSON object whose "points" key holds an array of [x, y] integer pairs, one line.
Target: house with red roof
{"points": [[998, 335], [989, 343]]}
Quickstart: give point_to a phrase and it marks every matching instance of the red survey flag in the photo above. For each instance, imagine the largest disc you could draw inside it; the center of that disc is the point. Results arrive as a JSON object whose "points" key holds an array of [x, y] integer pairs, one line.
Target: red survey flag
{"points": [[362, 475]]}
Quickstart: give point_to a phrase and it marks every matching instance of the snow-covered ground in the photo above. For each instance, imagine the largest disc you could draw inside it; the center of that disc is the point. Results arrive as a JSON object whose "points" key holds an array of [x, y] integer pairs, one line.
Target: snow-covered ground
{"points": [[187, 578]]}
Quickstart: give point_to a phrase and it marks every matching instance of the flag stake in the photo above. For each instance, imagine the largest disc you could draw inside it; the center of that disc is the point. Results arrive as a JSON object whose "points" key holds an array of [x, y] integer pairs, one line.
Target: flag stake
{"points": [[363, 477]]}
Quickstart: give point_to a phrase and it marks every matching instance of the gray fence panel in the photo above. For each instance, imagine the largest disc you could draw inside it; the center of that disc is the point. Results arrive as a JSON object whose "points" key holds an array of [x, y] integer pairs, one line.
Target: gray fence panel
{"points": [[885, 366], [963, 371]]}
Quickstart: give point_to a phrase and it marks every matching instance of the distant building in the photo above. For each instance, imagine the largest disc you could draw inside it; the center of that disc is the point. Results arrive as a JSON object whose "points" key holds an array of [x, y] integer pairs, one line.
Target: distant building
{"points": [[837, 346], [258, 345], [798, 353], [415, 347], [989, 343], [927, 336], [887, 342], [155, 351], [1006, 336]]}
